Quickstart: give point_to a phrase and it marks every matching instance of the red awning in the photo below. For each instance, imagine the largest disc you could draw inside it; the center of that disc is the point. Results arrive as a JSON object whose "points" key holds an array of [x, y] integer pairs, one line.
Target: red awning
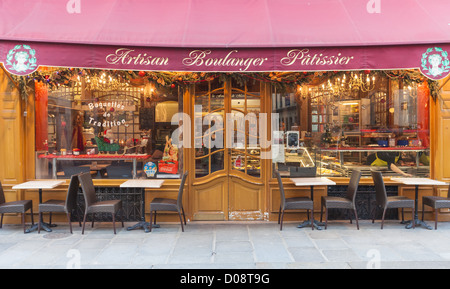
{"points": [[232, 35], [223, 24]]}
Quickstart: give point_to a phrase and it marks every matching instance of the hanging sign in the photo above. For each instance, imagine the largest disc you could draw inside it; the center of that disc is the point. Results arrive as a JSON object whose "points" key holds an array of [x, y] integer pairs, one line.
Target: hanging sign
{"points": [[435, 63]]}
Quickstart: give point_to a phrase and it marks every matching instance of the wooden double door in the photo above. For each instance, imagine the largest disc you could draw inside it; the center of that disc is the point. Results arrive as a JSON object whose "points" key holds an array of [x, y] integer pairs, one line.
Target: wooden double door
{"points": [[228, 130]]}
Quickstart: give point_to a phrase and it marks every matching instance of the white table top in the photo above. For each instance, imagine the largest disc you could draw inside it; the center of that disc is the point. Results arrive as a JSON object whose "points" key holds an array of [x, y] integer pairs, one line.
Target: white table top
{"points": [[319, 181], [39, 184], [154, 184], [419, 181]]}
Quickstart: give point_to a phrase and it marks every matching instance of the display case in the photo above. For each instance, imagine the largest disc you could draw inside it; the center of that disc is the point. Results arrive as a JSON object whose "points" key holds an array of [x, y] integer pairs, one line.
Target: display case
{"points": [[341, 161], [295, 162]]}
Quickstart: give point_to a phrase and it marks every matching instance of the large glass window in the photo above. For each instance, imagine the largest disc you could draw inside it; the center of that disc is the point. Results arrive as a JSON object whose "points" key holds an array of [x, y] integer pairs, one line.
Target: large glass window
{"points": [[108, 125], [355, 120]]}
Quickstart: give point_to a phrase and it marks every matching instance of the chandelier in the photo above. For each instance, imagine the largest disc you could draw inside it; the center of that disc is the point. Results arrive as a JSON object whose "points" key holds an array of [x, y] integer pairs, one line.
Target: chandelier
{"points": [[356, 81], [105, 82]]}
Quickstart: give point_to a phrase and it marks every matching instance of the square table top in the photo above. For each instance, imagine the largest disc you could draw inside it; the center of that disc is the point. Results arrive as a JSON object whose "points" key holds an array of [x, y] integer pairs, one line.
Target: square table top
{"points": [[39, 184], [419, 181], [318, 181], [154, 184]]}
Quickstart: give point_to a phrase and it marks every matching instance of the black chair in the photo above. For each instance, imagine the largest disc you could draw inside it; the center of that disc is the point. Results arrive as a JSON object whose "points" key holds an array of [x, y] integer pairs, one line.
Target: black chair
{"points": [[165, 204], [347, 202], [296, 203], [94, 206], [436, 202], [384, 202], [62, 206], [15, 207]]}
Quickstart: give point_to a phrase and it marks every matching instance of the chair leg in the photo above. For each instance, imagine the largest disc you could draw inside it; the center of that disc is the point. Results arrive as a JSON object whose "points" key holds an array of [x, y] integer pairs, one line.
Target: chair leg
{"points": [[413, 220], [435, 218], [181, 221], [151, 217], [382, 218], [307, 214], [32, 218], [403, 216], [321, 212], [155, 218], [93, 217], [1, 222], [50, 220], [356, 218], [23, 222], [39, 223], [114, 222], [326, 218], [84, 223], [184, 216], [70, 223], [281, 221], [312, 219]]}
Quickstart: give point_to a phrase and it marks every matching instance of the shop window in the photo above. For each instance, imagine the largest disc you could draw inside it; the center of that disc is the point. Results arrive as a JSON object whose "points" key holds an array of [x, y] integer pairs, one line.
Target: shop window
{"points": [[113, 130], [356, 120]]}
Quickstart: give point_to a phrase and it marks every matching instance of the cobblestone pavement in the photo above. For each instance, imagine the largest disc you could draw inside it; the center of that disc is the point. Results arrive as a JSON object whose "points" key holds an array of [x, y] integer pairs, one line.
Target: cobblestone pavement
{"points": [[228, 245]]}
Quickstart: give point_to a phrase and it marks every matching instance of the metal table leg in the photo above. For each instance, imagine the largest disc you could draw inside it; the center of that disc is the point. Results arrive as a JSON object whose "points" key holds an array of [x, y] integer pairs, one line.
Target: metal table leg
{"points": [[44, 226], [417, 222], [142, 223], [307, 223]]}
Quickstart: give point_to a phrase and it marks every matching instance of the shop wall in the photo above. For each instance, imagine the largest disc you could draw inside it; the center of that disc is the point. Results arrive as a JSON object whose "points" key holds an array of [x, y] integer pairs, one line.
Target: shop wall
{"points": [[12, 158], [440, 139]]}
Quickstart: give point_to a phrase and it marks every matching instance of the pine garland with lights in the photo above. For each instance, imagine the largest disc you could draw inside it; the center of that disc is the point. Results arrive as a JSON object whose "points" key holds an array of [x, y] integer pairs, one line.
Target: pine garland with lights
{"points": [[56, 77]]}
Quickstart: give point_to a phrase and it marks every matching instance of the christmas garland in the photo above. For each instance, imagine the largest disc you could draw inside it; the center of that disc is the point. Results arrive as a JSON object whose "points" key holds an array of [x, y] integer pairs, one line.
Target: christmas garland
{"points": [[56, 77]]}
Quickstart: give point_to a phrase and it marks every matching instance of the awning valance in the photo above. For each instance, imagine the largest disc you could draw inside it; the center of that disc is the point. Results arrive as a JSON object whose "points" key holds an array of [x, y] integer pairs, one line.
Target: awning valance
{"points": [[235, 35]]}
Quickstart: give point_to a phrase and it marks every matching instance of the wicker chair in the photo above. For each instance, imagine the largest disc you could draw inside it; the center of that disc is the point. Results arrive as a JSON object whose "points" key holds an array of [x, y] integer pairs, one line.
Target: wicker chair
{"points": [[94, 206], [15, 207], [347, 202], [385, 202], [62, 206], [296, 203], [165, 204], [436, 203]]}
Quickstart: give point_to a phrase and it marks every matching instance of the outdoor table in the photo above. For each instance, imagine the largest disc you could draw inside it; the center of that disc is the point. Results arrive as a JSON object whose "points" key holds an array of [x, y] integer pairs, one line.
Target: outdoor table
{"points": [[418, 182], [40, 185], [311, 182], [142, 184]]}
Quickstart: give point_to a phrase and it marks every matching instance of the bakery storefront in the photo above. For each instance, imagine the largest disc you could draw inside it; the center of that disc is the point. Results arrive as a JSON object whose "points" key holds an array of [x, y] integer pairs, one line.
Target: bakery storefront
{"points": [[228, 116]]}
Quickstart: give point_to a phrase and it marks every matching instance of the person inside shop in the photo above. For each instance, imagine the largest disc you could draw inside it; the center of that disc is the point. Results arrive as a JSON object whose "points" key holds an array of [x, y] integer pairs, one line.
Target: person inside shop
{"points": [[387, 159]]}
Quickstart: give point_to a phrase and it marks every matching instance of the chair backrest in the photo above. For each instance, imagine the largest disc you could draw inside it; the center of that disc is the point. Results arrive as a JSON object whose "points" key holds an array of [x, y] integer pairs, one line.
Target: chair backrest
{"points": [[87, 186], [72, 193], [353, 185], [280, 185], [2, 194], [180, 191], [380, 189]]}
